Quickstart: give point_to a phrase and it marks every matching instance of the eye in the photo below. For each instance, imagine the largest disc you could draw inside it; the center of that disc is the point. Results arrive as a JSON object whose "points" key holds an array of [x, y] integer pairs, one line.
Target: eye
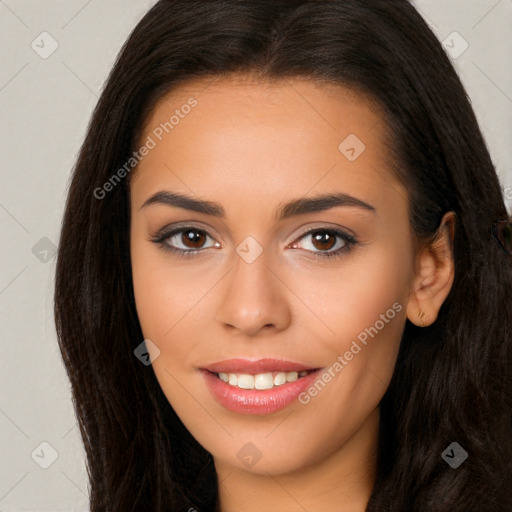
{"points": [[325, 242], [184, 241]]}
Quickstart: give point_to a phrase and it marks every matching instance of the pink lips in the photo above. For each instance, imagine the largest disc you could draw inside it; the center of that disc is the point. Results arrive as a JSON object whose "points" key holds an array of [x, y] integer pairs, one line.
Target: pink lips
{"points": [[253, 401]]}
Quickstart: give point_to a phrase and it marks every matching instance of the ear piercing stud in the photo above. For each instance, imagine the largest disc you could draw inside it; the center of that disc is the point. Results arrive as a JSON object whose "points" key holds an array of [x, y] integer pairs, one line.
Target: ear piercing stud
{"points": [[421, 316]]}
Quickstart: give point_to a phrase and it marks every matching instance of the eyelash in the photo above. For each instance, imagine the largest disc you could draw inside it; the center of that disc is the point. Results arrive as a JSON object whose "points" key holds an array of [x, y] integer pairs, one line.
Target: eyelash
{"points": [[164, 235]]}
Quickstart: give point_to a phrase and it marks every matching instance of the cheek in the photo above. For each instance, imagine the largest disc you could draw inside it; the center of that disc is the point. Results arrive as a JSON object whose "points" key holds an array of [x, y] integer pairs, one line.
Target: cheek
{"points": [[358, 292], [363, 304], [173, 309], [165, 289]]}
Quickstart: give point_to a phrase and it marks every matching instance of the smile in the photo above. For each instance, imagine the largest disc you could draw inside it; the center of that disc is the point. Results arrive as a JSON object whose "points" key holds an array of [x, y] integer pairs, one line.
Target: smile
{"points": [[258, 387]]}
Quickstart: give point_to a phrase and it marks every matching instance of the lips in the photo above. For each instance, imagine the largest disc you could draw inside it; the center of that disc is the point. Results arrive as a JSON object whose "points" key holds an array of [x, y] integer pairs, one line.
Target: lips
{"points": [[262, 386]]}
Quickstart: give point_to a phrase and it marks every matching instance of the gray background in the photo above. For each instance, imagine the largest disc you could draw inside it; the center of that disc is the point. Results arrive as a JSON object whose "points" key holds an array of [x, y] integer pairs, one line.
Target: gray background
{"points": [[45, 106]]}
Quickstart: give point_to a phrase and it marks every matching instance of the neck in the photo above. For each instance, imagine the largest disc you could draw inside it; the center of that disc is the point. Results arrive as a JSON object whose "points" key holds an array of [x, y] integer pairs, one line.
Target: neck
{"points": [[341, 481]]}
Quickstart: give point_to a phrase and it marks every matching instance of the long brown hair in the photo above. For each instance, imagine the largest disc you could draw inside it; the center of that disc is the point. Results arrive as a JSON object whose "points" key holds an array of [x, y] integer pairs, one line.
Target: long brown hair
{"points": [[452, 381]]}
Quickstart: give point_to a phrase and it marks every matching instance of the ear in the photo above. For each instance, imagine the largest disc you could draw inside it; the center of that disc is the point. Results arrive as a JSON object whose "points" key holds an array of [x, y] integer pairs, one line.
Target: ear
{"points": [[434, 275]]}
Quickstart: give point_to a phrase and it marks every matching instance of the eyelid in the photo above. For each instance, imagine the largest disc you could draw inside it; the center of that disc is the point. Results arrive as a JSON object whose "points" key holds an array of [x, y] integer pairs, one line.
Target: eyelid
{"points": [[325, 226], [167, 232], [171, 229], [348, 242]]}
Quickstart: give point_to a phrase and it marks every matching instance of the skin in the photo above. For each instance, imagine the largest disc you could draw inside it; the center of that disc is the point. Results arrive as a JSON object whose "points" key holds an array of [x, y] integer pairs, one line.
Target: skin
{"points": [[251, 147]]}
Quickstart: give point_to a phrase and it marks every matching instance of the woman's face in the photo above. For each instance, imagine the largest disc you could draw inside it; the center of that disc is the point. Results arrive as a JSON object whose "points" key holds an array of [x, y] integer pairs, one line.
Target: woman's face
{"points": [[269, 238]]}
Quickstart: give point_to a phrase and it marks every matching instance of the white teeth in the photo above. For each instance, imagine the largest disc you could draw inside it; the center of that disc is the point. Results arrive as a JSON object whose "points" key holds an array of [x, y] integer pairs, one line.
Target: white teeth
{"points": [[292, 376], [279, 379], [261, 380], [245, 381]]}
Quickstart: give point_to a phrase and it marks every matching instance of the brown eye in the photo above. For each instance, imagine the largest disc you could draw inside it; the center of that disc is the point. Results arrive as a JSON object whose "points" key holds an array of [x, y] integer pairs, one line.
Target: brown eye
{"points": [[193, 239], [323, 240], [185, 241]]}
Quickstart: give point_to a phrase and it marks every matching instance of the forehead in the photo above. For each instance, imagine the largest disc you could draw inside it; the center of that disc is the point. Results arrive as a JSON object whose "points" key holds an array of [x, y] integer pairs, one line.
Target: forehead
{"points": [[237, 134], [274, 104]]}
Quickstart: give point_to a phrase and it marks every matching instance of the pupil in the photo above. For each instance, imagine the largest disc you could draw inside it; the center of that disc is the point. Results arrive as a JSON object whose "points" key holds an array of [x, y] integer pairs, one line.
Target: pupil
{"points": [[193, 238], [323, 240]]}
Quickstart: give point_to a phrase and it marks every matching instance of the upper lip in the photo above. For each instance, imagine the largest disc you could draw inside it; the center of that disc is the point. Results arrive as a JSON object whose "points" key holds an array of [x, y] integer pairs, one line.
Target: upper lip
{"points": [[256, 366]]}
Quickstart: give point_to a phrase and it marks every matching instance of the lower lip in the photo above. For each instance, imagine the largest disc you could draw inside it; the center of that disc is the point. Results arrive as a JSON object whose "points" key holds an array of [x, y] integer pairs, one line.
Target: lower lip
{"points": [[253, 401]]}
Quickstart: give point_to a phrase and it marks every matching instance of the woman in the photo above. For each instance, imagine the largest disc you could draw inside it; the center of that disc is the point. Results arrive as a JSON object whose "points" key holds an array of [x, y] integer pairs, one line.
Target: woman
{"points": [[288, 209]]}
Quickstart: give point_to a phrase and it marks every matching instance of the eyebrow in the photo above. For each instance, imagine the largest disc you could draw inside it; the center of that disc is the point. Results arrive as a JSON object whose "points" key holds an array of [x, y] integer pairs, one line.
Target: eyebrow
{"points": [[300, 206]]}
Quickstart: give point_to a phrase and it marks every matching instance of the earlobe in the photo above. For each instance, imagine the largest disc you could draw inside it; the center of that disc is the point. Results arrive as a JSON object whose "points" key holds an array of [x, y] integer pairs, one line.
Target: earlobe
{"points": [[434, 275]]}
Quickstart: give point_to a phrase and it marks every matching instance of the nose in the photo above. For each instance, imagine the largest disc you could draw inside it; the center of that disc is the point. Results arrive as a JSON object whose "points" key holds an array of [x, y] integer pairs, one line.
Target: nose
{"points": [[253, 299]]}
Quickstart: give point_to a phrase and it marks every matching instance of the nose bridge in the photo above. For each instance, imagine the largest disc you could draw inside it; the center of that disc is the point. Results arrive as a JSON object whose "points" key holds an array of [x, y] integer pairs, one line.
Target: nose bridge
{"points": [[254, 298]]}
